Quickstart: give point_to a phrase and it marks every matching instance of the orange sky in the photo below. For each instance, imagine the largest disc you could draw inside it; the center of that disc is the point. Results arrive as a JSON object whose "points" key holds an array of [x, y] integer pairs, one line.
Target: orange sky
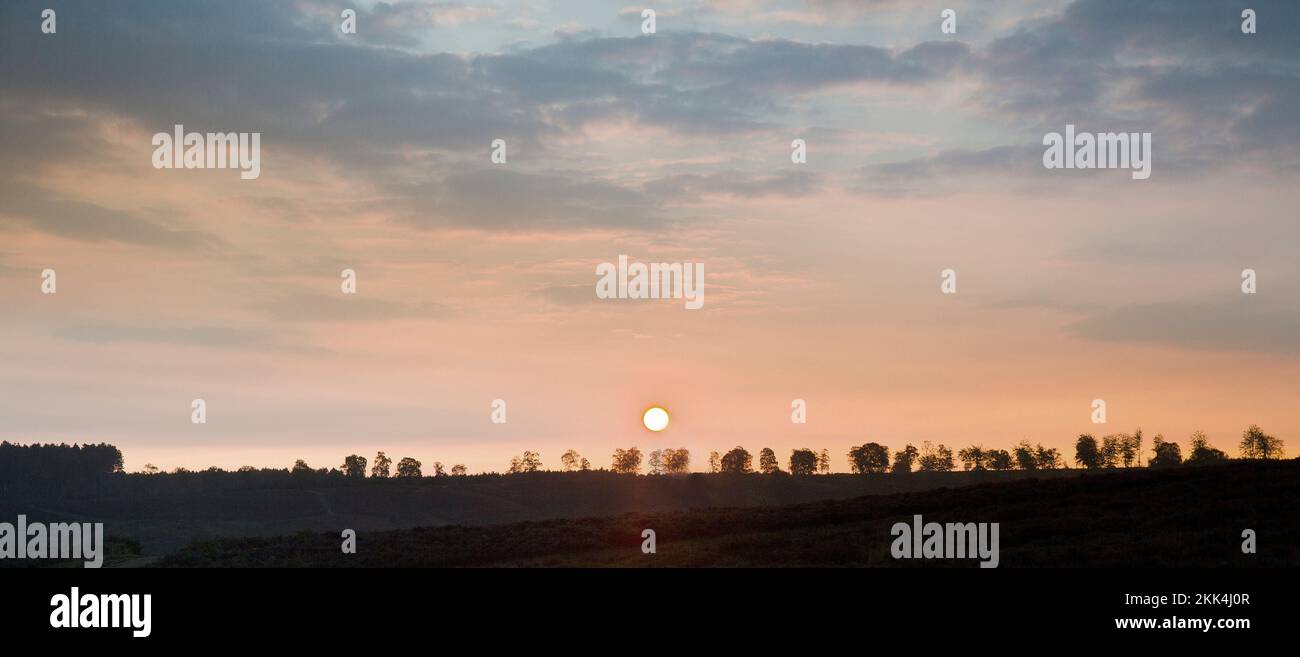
{"points": [[476, 281]]}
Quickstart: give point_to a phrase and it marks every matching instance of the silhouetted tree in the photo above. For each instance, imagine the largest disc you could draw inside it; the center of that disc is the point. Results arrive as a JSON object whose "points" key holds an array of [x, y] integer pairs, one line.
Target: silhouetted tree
{"points": [[300, 468], [1026, 458], [408, 467], [803, 462], [438, 470], [1086, 453], [1136, 446], [999, 459], [824, 461], [149, 469], [737, 460], [1048, 458], [904, 459], [1110, 449], [1127, 450], [715, 462], [380, 468], [527, 462], [458, 470], [676, 461], [1255, 444], [655, 464], [58, 470], [973, 457], [354, 466], [871, 457], [572, 460], [1166, 454], [936, 458], [627, 461], [767, 461], [1202, 452]]}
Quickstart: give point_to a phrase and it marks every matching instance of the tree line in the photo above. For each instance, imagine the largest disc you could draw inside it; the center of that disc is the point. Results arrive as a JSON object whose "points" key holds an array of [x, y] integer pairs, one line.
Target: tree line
{"points": [[62, 468], [1120, 450], [87, 469], [1112, 451]]}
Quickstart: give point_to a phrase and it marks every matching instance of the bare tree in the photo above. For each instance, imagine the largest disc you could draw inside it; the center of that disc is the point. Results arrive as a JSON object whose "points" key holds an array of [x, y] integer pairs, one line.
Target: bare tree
{"points": [[655, 464]]}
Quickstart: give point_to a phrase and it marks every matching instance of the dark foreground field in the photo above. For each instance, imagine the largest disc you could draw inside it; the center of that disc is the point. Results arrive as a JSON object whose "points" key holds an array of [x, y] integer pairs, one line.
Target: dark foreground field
{"points": [[1190, 516], [165, 512]]}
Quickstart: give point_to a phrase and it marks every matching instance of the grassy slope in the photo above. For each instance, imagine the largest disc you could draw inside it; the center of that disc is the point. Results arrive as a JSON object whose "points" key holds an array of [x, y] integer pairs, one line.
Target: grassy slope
{"points": [[1191, 516]]}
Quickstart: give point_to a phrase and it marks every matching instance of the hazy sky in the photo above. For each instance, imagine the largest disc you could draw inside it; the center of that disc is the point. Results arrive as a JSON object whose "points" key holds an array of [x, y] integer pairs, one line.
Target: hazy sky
{"points": [[476, 281]]}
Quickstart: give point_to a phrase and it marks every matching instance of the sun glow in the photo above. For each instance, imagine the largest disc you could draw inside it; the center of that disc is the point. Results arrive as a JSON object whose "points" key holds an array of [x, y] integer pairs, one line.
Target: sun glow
{"points": [[655, 419]]}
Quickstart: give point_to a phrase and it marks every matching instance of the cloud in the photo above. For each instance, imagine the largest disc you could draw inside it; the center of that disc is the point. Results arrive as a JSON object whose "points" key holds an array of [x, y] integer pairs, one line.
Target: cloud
{"points": [[570, 295], [338, 97], [220, 337], [1252, 323], [403, 23], [1182, 70], [942, 171], [790, 184], [47, 212], [766, 68], [314, 307], [501, 199]]}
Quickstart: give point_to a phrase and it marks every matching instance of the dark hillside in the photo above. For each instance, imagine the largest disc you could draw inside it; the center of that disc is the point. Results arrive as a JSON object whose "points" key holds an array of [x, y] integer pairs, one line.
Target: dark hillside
{"points": [[1179, 517]]}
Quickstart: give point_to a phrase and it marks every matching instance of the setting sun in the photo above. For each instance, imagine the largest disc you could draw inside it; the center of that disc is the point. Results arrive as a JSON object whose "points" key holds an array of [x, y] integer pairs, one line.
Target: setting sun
{"points": [[655, 419]]}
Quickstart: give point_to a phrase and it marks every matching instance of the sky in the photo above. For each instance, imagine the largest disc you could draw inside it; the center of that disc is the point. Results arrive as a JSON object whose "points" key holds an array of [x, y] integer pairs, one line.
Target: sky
{"points": [[475, 280]]}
